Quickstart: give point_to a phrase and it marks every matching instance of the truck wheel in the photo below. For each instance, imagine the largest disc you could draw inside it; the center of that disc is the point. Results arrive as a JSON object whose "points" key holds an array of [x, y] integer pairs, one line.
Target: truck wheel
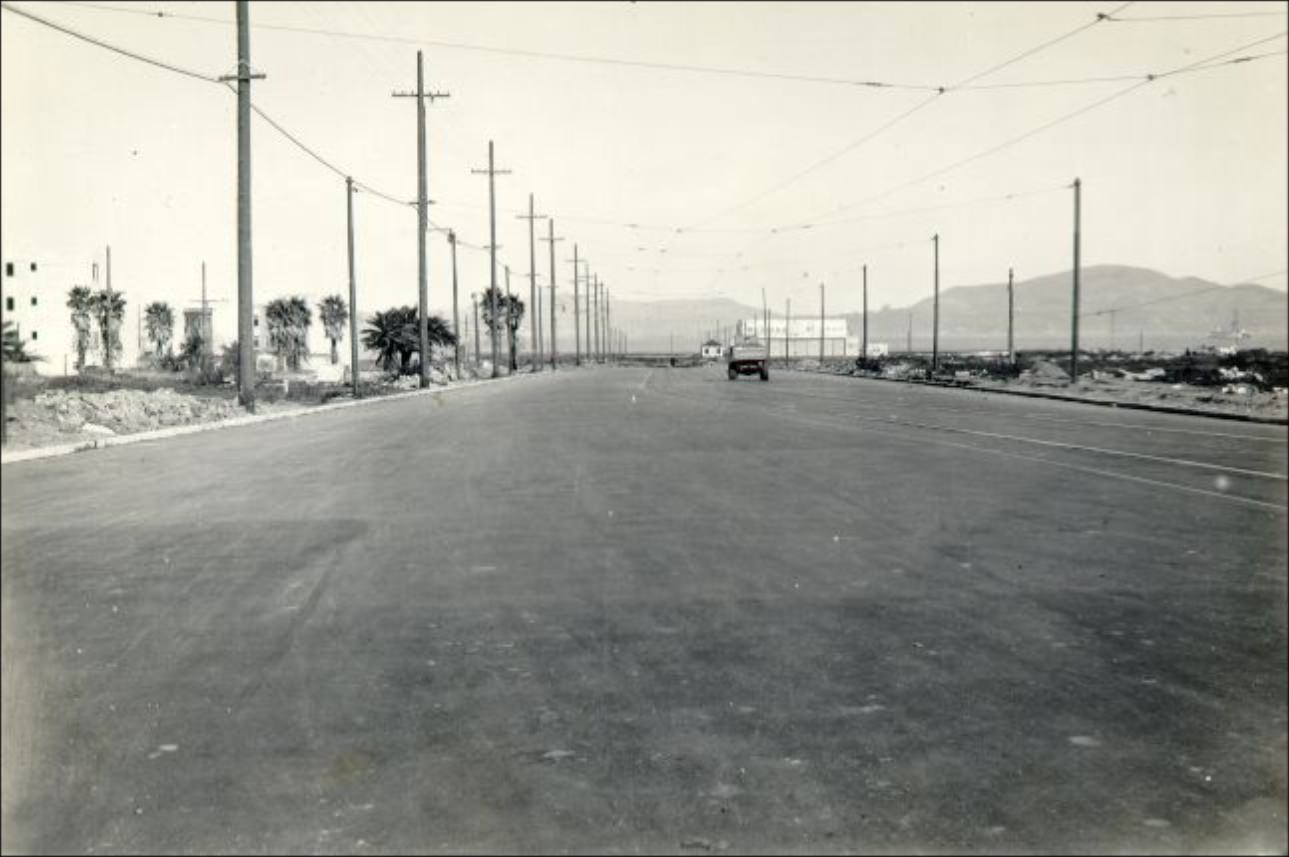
{"points": [[733, 373], [765, 373]]}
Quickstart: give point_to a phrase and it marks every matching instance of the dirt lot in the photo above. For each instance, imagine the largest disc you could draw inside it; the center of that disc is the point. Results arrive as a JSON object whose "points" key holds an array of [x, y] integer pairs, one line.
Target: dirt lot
{"points": [[1249, 382], [78, 409]]}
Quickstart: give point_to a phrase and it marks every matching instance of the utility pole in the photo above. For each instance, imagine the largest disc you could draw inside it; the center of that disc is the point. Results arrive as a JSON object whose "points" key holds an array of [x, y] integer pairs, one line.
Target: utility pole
{"points": [[787, 333], [1011, 319], [492, 248], [541, 351], [107, 342], [594, 308], [908, 340], [863, 349], [474, 298], [935, 310], [353, 289], [245, 293], [577, 324], [821, 326], [534, 320], [1074, 320], [609, 346], [422, 218], [456, 316], [510, 328], [552, 239]]}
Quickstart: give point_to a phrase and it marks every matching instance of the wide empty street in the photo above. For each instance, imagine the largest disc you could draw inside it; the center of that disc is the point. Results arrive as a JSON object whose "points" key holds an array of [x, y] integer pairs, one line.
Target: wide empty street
{"points": [[652, 610]]}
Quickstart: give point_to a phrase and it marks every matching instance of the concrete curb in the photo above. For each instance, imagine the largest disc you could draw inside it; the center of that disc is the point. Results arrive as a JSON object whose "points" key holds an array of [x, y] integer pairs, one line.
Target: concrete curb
{"points": [[1131, 406], [248, 420]]}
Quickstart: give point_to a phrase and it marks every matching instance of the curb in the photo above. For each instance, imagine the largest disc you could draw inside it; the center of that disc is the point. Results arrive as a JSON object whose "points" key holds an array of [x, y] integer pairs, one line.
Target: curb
{"points": [[1131, 406], [234, 422]]}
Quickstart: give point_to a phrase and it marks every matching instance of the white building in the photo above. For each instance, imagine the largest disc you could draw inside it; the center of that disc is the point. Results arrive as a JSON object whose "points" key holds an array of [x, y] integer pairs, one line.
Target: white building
{"points": [[802, 336], [711, 350], [34, 301]]}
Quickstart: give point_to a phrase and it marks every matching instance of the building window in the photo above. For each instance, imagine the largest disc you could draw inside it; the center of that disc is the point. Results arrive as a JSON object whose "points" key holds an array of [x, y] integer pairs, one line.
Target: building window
{"points": [[33, 334], [8, 304], [8, 269], [33, 266], [33, 301]]}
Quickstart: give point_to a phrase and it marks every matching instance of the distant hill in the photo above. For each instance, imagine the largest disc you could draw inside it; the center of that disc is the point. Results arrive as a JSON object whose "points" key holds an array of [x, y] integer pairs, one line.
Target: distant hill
{"points": [[1164, 312]]}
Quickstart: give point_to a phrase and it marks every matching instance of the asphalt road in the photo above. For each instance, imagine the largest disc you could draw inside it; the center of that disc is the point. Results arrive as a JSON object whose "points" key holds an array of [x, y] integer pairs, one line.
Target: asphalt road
{"points": [[625, 610]]}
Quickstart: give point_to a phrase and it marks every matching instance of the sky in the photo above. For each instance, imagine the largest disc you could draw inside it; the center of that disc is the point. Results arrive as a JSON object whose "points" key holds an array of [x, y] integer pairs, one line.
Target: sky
{"points": [[784, 175]]}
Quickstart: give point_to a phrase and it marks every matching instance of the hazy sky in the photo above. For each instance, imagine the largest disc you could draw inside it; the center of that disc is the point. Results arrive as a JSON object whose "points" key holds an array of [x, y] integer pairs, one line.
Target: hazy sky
{"points": [[1186, 174]]}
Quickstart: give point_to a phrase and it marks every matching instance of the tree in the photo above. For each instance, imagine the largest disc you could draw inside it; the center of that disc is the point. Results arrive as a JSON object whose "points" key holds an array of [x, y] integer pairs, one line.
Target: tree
{"points": [[288, 321], [108, 310], [387, 333], [334, 314], [160, 322], [509, 309], [80, 302], [395, 336]]}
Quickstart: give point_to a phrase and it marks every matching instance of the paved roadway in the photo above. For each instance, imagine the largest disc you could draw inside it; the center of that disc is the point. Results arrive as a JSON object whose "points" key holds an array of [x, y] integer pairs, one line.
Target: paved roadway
{"points": [[631, 610]]}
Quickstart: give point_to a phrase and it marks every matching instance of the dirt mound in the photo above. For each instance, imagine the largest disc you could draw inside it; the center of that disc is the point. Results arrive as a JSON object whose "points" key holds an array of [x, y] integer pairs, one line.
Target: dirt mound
{"points": [[61, 416]]}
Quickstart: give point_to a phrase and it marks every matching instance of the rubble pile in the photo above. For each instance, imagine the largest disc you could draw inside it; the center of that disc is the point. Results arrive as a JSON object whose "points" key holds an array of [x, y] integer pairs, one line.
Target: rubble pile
{"points": [[119, 411]]}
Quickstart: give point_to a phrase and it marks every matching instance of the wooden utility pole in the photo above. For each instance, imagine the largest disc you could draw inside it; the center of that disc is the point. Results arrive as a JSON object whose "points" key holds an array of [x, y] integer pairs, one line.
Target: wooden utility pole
{"points": [[1074, 319], [863, 348], [474, 298], [593, 311], [577, 324], [492, 172], [510, 328], [353, 289], [1011, 319], [787, 333], [552, 239], [422, 217], [908, 336], [107, 330], [245, 292], [821, 326], [935, 310], [534, 319], [456, 316]]}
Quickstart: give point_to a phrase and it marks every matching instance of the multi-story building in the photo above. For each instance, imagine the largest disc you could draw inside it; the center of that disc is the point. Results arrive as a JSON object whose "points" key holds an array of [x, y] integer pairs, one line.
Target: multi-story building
{"points": [[34, 299]]}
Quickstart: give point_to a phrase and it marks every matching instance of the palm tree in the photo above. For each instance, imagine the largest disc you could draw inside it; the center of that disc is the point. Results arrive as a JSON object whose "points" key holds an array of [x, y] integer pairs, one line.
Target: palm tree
{"points": [[79, 301], [288, 320], [160, 322], [395, 336], [510, 312], [334, 313], [392, 334], [108, 309]]}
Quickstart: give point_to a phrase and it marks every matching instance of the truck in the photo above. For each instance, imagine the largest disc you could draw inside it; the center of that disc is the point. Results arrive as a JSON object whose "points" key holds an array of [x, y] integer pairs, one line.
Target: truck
{"points": [[749, 357]]}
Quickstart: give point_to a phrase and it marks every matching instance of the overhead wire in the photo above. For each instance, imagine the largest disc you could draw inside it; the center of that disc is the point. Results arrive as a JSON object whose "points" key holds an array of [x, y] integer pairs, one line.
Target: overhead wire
{"points": [[1200, 65]]}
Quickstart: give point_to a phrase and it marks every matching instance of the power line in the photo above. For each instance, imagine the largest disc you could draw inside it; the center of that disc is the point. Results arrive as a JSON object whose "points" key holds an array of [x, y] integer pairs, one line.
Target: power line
{"points": [[93, 41], [1200, 65], [534, 54], [850, 147], [1135, 19]]}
